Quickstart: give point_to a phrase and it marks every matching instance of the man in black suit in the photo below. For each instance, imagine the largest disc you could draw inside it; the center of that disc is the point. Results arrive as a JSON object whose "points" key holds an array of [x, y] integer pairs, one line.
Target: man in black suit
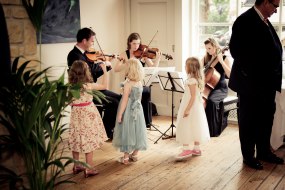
{"points": [[256, 76], [85, 40]]}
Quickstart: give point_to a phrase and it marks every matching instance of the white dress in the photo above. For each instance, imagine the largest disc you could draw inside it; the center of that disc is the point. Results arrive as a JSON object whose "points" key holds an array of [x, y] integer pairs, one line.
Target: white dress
{"points": [[194, 127]]}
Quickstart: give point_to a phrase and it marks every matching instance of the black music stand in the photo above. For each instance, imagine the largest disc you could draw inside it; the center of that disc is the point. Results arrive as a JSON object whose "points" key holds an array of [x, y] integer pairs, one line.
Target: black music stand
{"points": [[170, 81], [149, 78]]}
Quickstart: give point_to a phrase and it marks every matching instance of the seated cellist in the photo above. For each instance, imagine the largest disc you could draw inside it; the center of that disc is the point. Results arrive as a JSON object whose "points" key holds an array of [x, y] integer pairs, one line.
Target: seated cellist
{"points": [[222, 66]]}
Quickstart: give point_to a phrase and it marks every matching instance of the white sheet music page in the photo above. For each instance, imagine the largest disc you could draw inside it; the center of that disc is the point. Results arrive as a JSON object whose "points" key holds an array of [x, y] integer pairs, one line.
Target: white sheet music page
{"points": [[151, 74]]}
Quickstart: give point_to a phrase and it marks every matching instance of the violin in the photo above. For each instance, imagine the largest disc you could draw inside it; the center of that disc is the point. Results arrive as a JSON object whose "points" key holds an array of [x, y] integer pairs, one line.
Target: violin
{"points": [[145, 51], [93, 55]]}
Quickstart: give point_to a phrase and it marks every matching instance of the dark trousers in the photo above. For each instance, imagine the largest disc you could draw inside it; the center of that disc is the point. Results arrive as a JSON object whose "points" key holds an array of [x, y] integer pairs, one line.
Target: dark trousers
{"points": [[110, 111], [215, 108], [256, 113], [146, 104], [214, 112]]}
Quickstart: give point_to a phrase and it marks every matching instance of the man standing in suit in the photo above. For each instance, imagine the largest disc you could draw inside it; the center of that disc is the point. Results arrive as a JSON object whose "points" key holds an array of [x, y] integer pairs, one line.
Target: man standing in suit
{"points": [[256, 76], [85, 40]]}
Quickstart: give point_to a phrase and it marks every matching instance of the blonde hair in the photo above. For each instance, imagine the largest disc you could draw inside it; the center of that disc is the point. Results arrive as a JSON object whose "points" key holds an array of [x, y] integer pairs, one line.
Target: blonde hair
{"points": [[213, 43], [79, 73], [134, 70], [194, 68]]}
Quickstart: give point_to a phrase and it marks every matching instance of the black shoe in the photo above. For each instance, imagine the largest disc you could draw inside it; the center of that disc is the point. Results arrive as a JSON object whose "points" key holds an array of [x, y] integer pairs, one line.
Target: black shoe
{"points": [[253, 163], [271, 158]]}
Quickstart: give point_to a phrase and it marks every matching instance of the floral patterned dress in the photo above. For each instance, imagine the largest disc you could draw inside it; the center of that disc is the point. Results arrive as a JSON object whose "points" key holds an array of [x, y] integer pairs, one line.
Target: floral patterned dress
{"points": [[87, 132]]}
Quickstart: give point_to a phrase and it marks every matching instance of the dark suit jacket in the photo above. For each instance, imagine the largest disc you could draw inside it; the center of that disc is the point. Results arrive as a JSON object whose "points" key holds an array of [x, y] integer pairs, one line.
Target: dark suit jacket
{"points": [[96, 70], [257, 54]]}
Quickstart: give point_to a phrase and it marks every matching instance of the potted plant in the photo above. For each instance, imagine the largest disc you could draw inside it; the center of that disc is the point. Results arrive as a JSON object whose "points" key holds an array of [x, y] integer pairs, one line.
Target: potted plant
{"points": [[32, 111]]}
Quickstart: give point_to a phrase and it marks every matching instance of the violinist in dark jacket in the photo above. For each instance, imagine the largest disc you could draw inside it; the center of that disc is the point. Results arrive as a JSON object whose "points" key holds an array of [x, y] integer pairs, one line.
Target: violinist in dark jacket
{"points": [[85, 40], [256, 76]]}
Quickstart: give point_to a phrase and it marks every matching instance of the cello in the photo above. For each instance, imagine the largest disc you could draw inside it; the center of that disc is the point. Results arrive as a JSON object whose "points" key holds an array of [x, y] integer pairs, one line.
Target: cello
{"points": [[212, 76]]}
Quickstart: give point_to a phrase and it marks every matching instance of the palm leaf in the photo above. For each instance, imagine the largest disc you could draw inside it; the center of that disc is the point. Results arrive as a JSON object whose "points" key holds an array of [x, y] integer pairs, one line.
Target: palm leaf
{"points": [[35, 10], [10, 177]]}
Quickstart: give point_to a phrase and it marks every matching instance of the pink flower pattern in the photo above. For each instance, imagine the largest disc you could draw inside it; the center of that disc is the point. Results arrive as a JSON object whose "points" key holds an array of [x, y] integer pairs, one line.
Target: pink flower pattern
{"points": [[86, 128]]}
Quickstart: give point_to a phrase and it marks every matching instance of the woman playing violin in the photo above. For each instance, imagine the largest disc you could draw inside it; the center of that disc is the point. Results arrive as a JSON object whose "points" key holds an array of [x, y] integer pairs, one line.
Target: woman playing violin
{"points": [[222, 65], [133, 44]]}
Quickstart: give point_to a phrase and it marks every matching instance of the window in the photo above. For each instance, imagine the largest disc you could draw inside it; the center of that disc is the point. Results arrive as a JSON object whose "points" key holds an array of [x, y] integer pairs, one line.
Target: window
{"points": [[217, 16], [215, 20]]}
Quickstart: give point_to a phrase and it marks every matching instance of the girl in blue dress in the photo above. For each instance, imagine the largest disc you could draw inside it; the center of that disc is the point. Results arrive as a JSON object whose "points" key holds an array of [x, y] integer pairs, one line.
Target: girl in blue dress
{"points": [[130, 132]]}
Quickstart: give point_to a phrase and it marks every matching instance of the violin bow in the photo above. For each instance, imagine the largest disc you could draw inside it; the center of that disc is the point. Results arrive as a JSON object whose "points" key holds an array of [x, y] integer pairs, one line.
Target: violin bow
{"points": [[149, 43], [100, 47]]}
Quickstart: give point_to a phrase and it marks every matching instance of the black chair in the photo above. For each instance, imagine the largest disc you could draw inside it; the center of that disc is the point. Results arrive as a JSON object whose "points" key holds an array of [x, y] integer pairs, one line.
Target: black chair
{"points": [[230, 104]]}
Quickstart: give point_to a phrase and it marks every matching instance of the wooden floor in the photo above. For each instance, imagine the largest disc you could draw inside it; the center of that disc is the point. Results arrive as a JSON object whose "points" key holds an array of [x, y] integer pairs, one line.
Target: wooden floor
{"points": [[219, 167]]}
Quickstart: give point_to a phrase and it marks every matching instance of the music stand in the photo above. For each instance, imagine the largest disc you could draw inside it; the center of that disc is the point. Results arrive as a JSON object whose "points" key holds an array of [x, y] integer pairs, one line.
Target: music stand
{"points": [[150, 77], [170, 81]]}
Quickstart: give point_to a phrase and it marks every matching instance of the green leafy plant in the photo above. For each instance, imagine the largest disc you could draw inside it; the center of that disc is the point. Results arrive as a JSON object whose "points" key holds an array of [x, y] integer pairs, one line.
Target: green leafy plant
{"points": [[32, 111], [35, 10]]}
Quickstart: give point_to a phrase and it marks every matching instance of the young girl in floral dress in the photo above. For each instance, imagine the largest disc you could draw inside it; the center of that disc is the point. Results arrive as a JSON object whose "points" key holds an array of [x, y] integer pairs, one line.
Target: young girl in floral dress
{"points": [[87, 132]]}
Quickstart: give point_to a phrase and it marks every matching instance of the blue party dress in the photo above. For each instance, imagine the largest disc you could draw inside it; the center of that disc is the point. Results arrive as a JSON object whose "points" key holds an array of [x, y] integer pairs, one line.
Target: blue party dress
{"points": [[130, 134]]}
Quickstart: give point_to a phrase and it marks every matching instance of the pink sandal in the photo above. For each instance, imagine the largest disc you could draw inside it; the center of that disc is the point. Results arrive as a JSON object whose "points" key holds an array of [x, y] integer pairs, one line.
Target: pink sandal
{"points": [[124, 160], [77, 169], [92, 172], [133, 158], [196, 152]]}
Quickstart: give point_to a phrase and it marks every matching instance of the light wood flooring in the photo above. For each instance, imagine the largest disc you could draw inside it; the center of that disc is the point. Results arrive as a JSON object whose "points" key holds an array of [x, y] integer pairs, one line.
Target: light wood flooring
{"points": [[219, 167]]}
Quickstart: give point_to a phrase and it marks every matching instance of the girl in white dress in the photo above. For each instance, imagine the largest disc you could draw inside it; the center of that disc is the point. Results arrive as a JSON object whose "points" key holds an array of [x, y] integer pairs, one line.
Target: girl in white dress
{"points": [[192, 125]]}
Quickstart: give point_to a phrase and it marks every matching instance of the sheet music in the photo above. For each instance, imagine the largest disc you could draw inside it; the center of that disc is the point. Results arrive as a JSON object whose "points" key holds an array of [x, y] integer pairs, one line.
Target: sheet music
{"points": [[151, 74], [178, 80]]}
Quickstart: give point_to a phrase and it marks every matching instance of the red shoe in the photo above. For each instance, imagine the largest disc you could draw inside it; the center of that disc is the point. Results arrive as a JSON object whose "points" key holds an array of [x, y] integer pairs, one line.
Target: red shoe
{"points": [[196, 152], [185, 154], [78, 169], [88, 173]]}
